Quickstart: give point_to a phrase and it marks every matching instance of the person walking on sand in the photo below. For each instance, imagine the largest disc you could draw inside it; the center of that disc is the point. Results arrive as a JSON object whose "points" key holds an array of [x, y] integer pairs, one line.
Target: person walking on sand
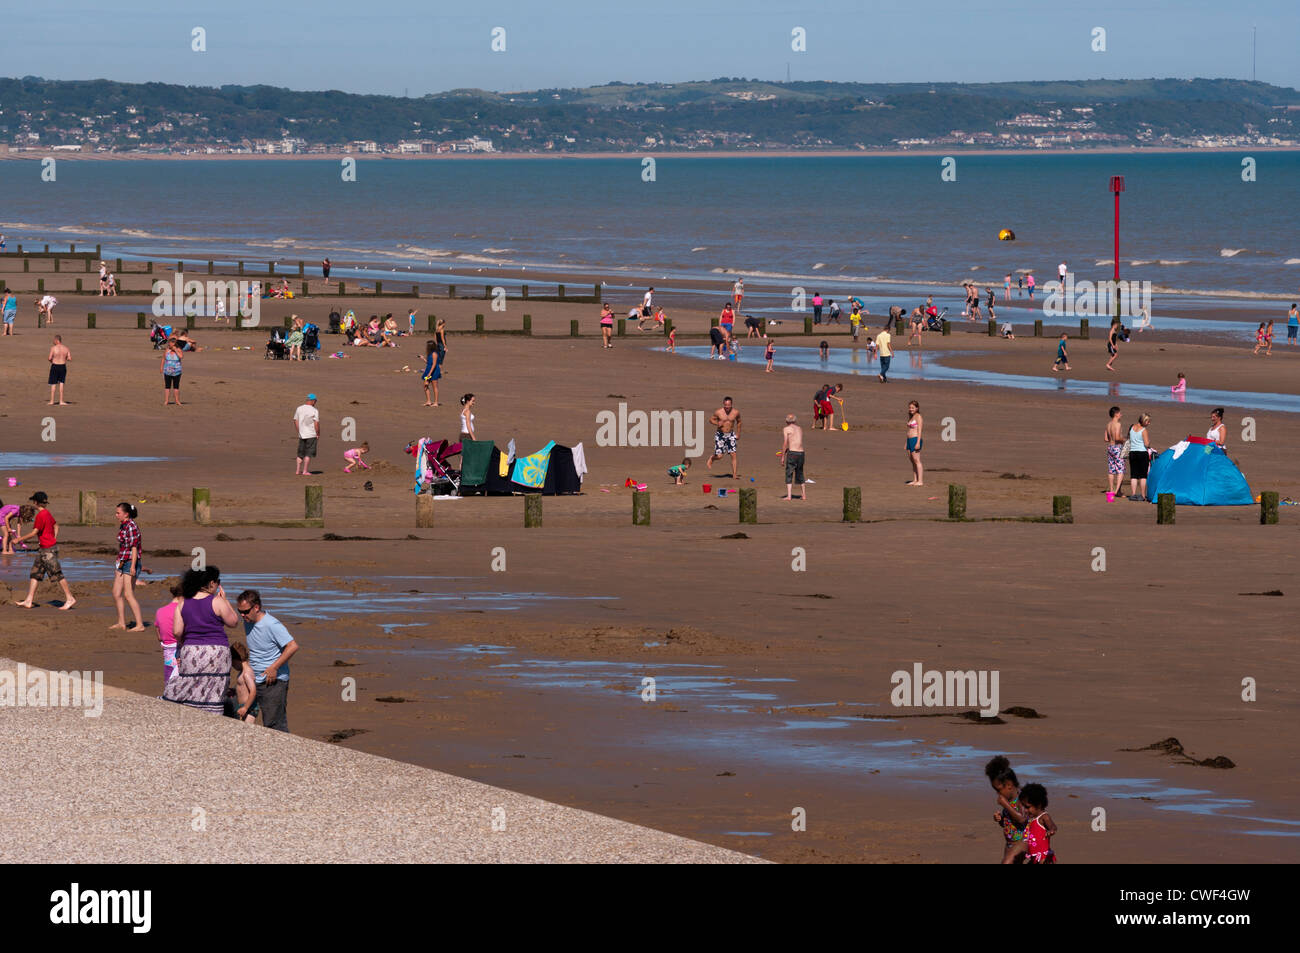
{"points": [[1062, 354], [915, 443], [1061, 271], [171, 372], [1292, 324], [727, 419], [770, 355], [10, 310], [886, 353], [306, 422], [1140, 452], [1114, 454], [606, 325], [127, 566], [1112, 343], [793, 458], [45, 528], [1259, 337], [432, 372], [738, 292], [58, 358], [270, 646], [647, 303], [817, 307], [1268, 338], [1007, 286]]}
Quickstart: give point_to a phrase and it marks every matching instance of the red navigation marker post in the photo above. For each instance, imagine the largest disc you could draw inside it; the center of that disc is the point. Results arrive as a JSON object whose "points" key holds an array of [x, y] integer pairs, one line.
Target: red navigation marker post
{"points": [[1116, 187]]}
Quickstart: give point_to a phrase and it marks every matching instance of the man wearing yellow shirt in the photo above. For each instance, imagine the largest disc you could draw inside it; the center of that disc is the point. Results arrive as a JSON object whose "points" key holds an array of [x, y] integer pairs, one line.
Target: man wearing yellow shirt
{"points": [[886, 353]]}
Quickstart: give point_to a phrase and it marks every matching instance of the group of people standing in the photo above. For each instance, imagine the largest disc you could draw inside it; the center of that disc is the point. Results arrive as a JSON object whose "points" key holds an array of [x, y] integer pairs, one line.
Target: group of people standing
{"points": [[1135, 447], [198, 656]]}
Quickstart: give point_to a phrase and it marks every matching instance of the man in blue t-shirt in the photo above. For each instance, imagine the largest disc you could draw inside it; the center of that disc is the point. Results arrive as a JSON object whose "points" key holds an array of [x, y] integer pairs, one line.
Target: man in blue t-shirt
{"points": [[270, 646]]}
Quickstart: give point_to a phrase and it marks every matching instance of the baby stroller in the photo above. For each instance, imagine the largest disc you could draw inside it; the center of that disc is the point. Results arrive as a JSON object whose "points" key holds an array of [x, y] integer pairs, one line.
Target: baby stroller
{"points": [[934, 322], [158, 334], [433, 469], [277, 349], [336, 322], [310, 342]]}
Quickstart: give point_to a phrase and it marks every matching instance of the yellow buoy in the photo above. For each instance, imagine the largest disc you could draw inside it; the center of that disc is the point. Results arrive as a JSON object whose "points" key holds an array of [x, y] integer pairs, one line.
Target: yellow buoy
{"points": [[1006, 235]]}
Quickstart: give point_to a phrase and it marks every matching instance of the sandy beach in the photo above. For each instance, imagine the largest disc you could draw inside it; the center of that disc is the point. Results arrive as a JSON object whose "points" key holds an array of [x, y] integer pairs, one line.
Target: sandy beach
{"points": [[542, 696]]}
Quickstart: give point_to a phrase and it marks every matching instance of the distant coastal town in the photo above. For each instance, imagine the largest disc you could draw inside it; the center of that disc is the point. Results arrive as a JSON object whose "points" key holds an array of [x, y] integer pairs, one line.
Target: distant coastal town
{"points": [[725, 115]]}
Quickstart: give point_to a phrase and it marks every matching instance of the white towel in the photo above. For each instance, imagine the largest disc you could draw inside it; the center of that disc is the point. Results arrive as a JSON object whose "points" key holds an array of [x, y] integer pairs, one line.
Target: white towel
{"points": [[580, 461], [510, 451], [1179, 447]]}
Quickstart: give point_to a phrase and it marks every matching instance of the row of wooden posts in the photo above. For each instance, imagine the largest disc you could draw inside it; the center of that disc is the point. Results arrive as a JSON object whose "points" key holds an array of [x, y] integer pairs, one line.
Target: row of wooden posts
{"points": [[314, 507]]}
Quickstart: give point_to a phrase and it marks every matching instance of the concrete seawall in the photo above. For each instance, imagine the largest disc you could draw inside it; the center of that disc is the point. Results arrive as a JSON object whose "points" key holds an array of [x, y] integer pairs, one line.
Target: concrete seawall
{"points": [[149, 781]]}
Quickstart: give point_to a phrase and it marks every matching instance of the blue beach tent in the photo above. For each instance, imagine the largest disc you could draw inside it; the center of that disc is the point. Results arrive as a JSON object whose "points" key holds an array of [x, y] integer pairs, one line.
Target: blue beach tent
{"points": [[1198, 472]]}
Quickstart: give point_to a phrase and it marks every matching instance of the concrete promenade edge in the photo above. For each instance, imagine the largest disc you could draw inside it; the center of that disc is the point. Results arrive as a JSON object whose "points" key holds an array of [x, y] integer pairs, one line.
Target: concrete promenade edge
{"points": [[149, 781]]}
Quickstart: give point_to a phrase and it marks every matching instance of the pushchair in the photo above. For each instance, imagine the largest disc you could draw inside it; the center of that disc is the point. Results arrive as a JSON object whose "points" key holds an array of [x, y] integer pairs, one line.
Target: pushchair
{"points": [[934, 322], [310, 342], [336, 321], [433, 469], [158, 334], [277, 349]]}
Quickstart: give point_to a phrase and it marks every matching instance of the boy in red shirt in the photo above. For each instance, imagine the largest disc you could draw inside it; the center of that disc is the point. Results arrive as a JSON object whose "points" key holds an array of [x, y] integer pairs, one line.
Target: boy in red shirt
{"points": [[46, 529]]}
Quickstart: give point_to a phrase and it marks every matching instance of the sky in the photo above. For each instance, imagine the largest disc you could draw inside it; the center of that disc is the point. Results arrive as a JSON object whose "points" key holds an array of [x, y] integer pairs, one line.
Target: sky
{"points": [[413, 47]]}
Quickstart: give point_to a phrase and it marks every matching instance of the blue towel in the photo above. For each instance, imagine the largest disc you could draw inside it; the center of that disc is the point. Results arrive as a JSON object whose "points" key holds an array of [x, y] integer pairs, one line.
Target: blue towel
{"points": [[531, 470]]}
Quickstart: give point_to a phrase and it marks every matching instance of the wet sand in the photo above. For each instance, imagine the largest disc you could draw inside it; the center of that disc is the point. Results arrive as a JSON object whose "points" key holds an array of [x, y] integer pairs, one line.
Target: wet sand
{"points": [[1156, 646]]}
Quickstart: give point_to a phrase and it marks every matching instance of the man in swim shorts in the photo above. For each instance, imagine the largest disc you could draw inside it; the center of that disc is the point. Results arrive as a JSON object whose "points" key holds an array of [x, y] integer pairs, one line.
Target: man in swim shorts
{"points": [[59, 357], [738, 292], [1114, 453], [727, 419], [792, 457]]}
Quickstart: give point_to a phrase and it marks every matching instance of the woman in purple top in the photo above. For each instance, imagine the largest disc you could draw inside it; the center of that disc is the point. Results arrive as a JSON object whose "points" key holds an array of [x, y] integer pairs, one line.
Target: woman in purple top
{"points": [[202, 649]]}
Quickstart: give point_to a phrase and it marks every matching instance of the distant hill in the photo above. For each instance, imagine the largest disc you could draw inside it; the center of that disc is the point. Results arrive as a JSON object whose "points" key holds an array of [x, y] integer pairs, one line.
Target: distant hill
{"points": [[719, 114]]}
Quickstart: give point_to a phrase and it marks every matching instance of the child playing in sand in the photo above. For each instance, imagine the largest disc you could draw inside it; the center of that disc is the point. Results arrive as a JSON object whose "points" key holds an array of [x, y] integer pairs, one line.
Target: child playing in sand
{"points": [[1179, 390], [164, 621], [678, 472], [12, 518], [1010, 816], [1062, 357], [354, 456], [771, 349], [1039, 827], [245, 689]]}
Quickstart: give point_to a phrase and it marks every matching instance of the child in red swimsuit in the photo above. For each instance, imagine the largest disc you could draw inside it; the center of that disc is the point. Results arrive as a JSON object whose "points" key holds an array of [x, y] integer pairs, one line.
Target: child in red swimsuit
{"points": [[1010, 816], [1039, 829]]}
